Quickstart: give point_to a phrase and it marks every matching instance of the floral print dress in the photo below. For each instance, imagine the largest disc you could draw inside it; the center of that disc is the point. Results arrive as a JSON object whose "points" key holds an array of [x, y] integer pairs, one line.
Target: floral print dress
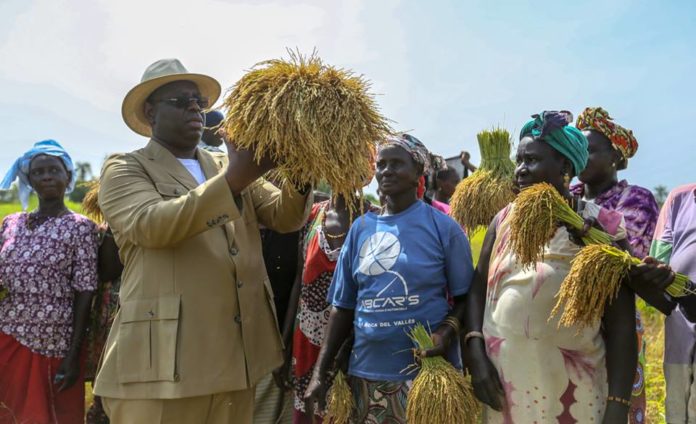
{"points": [[42, 268], [549, 374]]}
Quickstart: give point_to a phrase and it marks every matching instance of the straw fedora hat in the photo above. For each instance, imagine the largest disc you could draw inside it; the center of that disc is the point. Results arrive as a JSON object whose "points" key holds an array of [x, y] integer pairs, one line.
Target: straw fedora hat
{"points": [[156, 75]]}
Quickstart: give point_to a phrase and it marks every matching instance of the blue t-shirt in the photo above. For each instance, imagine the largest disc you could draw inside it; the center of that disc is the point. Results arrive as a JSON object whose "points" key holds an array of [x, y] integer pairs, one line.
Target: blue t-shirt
{"points": [[396, 271]]}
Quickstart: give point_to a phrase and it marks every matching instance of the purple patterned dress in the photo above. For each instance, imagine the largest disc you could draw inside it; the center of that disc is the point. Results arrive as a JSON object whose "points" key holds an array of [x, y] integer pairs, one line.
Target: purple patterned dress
{"points": [[640, 212], [43, 268]]}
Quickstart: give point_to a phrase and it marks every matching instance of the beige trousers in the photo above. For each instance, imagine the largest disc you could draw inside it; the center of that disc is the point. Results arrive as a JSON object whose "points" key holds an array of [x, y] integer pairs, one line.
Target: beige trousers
{"points": [[235, 407]]}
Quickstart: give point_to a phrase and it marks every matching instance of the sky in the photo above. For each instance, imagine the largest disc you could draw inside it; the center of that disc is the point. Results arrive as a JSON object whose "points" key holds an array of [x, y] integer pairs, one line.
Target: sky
{"points": [[442, 69]]}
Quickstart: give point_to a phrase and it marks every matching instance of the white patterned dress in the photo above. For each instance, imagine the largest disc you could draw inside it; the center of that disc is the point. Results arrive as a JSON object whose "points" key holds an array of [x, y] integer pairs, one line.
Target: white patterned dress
{"points": [[549, 375]]}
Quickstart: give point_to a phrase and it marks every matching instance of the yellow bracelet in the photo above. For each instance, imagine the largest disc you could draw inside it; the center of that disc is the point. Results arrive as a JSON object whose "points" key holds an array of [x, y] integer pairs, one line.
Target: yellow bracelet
{"points": [[453, 323], [619, 400]]}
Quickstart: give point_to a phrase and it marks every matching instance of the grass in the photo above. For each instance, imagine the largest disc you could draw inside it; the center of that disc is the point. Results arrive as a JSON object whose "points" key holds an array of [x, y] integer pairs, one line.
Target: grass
{"points": [[9, 208], [653, 322]]}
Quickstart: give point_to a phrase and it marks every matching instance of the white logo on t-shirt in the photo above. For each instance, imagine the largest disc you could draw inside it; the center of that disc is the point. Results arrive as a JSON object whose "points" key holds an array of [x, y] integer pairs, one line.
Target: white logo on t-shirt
{"points": [[377, 257], [378, 253]]}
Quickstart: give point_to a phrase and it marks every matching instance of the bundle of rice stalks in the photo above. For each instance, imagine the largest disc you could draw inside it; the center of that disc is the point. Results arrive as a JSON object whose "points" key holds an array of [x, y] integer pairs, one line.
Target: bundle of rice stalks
{"points": [[90, 203], [480, 196], [440, 394], [340, 402], [594, 280], [313, 120], [538, 211], [495, 148]]}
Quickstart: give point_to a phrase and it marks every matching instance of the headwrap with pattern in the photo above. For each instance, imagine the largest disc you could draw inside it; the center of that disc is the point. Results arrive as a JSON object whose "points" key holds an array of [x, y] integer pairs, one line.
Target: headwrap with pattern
{"points": [[420, 154], [598, 119], [552, 128]]}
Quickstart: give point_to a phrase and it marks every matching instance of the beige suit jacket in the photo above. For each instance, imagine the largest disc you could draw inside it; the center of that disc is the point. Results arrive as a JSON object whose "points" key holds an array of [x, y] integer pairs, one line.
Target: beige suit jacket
{"points": [[196, 314]]}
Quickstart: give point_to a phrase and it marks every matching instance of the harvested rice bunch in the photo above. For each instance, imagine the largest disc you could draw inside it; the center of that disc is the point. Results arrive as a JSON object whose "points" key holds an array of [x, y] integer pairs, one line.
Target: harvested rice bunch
{"points": [[315, 121], [480, 196], [340, 402], [90, 203], [594, 280], [495, 148], [440, 394], [538, 211]]}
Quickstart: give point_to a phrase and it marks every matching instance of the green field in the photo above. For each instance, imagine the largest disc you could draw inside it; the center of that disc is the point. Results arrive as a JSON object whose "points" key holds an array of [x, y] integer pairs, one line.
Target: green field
{"points": [[8, 208], [653, 321]]}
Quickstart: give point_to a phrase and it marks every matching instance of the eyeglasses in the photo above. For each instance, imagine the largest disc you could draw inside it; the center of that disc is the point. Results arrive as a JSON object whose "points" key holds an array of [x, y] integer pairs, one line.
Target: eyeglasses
{"points": [[184, 102]]}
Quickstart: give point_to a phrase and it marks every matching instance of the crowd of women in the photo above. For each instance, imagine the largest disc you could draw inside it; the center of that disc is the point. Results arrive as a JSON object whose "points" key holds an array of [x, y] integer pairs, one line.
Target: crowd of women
{"points": [[362, 282]]}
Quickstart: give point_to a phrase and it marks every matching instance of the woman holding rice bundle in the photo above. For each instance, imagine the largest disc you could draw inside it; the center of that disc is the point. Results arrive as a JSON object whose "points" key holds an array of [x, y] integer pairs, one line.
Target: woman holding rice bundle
{"points": [[395, 270], [523, 365], [610, 147]]}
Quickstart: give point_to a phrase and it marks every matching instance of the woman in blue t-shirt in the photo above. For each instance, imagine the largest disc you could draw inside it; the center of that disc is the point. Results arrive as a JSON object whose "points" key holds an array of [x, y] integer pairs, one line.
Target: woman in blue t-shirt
{"points": [[397, 269]]}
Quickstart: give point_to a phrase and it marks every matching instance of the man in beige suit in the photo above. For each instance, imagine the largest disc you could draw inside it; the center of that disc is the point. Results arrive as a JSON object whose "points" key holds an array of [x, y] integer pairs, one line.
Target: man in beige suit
{"points": [[196, 329]]}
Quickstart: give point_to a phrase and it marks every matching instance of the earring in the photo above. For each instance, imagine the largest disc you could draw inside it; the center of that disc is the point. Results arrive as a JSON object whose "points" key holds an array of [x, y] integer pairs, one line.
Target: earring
{"points": [[613, 164], [566, 179]]}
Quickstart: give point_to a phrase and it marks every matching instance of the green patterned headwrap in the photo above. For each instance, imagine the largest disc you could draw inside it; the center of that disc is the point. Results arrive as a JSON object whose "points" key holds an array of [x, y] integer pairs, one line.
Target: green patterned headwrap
{"points": [[552, 128]]}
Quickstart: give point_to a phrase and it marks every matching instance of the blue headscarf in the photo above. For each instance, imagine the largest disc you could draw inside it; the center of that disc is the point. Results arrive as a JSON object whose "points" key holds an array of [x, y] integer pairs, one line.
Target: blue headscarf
{"points": [[552, 128], [20, 169]]}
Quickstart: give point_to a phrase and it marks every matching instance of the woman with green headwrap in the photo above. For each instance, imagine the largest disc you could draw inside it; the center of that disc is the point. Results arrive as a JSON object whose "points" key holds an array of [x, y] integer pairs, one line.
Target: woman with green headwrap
{"points": [[523, 366]]}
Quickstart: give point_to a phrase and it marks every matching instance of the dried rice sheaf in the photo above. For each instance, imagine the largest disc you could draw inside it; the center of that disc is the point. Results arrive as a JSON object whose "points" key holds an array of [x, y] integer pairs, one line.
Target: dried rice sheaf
{"points": [[594, 280], [90, 203], [538, 212], [480, 196], [313, 120], [340, 401], [533, 223], [440, 394]]}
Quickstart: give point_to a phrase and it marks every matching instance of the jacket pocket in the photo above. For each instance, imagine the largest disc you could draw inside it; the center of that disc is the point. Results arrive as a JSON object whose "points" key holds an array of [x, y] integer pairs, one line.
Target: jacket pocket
{"points": [[147, 345], [170, 190]]}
